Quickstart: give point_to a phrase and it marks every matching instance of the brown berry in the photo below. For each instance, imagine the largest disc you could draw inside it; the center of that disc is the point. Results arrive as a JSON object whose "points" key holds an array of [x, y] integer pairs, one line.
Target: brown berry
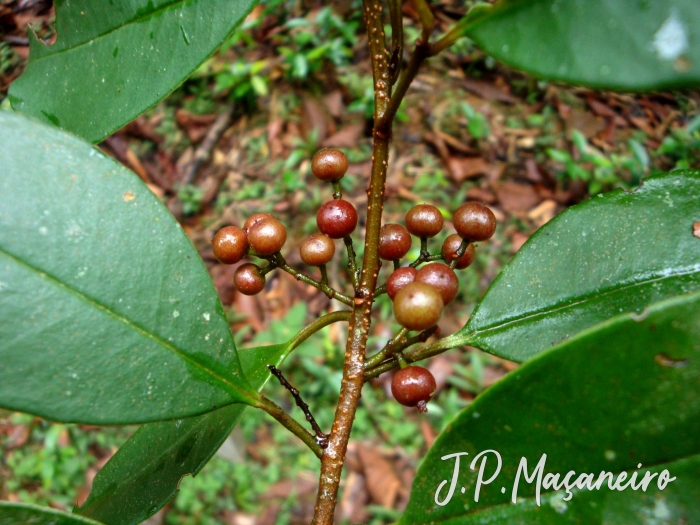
{"points": [[424, 220], [267, 236], [317, 250], [398, 279], [230, 244], [442, 278], [413, 386], [418, 306], [474, 221], [248, 279], [449, 251], [337, 219], [394, 242], [254, 219], [329, 165]]}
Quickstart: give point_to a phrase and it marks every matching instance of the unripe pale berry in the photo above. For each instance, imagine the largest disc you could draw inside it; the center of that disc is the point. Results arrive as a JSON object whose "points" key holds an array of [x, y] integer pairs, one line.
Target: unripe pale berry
{"points": [[337, 219], [230, 244], [398, 279], [254, 219], [449, 251], [418, 306], [394, 242], [329, 165], [442, 278], [267, 236], [317, 250], [413, 386], [248, 279], [474, 221], [424, 220]]}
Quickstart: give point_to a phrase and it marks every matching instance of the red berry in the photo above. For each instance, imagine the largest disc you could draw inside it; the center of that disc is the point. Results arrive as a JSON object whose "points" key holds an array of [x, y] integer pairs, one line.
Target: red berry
{"points": [[317, 250], [449, 251], [424, 220], [413, 386], [248, 279], [474, 221], [394, 242], [337, 218], [329, 165], [230, 244], [267, 236], [254, 219], [442, 278], [418, 306], [398, 279]]}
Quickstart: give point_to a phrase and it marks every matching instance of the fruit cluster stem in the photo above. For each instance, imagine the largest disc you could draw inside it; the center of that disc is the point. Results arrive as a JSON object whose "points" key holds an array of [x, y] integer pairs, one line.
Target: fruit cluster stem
{"points": [[360, 320]]}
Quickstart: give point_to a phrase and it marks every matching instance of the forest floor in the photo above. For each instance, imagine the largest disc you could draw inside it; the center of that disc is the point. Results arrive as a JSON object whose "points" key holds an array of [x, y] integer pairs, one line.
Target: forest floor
{"points": [[294, 78]]}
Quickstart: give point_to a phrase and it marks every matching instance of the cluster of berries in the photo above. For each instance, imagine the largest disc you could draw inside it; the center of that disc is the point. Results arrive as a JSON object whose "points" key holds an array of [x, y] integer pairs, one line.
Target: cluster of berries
{"points": [[418, 295], [263, 235]]}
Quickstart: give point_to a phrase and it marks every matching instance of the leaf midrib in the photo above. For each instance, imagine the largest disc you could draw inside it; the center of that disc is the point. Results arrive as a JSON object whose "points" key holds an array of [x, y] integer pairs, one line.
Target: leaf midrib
{"points": [[134, 20], [556, 307], [96, 304]]}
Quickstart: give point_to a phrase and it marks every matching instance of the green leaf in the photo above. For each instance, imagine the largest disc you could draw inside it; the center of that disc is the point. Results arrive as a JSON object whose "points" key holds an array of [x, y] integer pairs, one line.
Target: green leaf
{"points": [[114, 59], [611, 254], [621, 394], [16, 513], [108, 313], [613, 44], [146, 471]]}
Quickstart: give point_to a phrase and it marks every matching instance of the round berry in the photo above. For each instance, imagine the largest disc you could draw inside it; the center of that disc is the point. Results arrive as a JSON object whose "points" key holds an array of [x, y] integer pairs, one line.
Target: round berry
{"points": [[418, 306], [413, 386], [267, 236], [449, 251], [474, 221], [424, 220], [254, 219], [394, 242], [329, 165], [442, 278], [317, 250], [398, 279], [230, 244], [337, 219], [248, 279]]}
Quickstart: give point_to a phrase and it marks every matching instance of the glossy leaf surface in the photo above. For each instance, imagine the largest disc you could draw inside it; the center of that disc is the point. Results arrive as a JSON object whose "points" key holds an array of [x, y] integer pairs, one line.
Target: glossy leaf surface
{"points": [[624, 45], [614, 253], [145, 472], [108, 313], [115, 59], [20, 513], [623, 393]]}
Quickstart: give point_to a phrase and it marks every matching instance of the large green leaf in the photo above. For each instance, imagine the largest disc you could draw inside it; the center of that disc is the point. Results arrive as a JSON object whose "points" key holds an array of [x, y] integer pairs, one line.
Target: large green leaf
{"points": [[115, 59], [20, 513], [677, 504], [108, 313], [623, 393], [614, 44], [614, 253], [146, 471]]}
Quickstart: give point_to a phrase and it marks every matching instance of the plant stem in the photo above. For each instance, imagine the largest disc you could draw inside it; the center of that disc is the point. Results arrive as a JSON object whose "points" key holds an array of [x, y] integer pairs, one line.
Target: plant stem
{"points": [[353, 368], [290, 424], [352, 262], [321, 322], [321, 438], [417, 354], [330, 292]]}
